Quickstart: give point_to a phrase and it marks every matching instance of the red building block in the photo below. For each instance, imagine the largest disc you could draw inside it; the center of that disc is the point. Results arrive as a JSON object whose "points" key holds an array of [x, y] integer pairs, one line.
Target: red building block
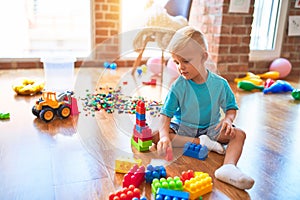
{"points": [[126, 193], [135, 176]]}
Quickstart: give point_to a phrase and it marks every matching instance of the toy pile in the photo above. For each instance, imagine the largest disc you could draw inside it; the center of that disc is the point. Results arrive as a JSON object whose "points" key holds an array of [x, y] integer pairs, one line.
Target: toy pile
{"points": [[114, 100], [267, 83], [189, 185]]}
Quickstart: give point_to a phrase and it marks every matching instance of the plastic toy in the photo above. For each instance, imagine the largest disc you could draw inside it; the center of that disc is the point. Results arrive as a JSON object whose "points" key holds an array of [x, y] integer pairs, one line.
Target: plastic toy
{"points": [[199, 185], [169, 183], [281, 65], [169, 154], [166, 194], [296, 94], [123, 165], [255, 79], [142, 134], [279, 86], [135, 176], [50, 105], [108, 65], [154, 65], [172, 68], [152, 82], [126, 193], [27, 86], [270, 74], [249, 86], [195, 151], [154, 172], [4, 116], [186, 175], [268, 83]]}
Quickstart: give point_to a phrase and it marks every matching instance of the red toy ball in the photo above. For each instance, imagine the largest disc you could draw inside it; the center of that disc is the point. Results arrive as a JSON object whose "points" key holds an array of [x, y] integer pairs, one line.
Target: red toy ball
{"points": [[281, 65]]}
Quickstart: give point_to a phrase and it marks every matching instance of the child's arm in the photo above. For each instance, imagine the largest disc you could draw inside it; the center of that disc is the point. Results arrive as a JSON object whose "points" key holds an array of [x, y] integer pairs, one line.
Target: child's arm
{"points": [[168, 139], [164, 136], [226, 123]]}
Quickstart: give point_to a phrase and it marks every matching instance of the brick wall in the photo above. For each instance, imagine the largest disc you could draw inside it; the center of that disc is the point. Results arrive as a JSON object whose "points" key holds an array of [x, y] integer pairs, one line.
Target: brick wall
{"points": [[291, 44], [228, 35]]}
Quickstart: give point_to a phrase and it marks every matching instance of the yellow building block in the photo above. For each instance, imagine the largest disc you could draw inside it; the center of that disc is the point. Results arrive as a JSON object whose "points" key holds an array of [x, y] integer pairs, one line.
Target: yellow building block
{"points": [[199, 185], [123, 165]]}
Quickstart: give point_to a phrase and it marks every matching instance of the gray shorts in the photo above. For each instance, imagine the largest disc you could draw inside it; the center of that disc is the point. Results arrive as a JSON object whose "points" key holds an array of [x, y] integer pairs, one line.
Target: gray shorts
{"points": [[211, 132]]}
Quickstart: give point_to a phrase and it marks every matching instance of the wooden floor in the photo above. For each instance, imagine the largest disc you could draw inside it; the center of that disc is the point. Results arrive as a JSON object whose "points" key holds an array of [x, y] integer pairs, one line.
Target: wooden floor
{"points": [[74, 158]]}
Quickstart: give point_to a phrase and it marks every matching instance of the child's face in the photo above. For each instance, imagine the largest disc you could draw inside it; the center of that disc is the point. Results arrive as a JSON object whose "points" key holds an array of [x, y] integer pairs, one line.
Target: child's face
{"points": [[190, 61]]}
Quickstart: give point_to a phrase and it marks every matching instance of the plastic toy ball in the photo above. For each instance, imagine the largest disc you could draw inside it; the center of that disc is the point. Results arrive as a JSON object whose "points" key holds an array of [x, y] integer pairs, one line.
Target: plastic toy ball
{"points": [[154, 65], [296, 94], [281, 65], [172, 68], [108, 65]]}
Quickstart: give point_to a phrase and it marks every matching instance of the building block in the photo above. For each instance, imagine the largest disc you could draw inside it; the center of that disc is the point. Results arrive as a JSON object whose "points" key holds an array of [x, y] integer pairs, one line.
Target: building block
{"points": [[199, 185], [136, 145], [169, 183], [186, 175], [163, 194], [140, 116], [123, 165], [142, 134], [146, 143], [126, 193], [141, 123], [195, 151], [135, 176], [155, 172], [169, 154]]}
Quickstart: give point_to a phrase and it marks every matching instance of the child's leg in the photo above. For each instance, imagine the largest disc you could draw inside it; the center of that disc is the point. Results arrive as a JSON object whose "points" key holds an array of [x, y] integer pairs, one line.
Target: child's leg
{"points": [[229, 173]]}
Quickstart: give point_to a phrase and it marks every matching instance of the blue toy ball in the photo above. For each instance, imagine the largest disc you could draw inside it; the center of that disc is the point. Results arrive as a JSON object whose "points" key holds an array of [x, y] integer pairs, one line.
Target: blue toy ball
{"points": [[108, 65]]}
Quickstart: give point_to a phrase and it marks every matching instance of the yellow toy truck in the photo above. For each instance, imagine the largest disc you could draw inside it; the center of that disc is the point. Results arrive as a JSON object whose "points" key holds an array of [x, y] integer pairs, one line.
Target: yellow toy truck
{"points": [[50, 105]]}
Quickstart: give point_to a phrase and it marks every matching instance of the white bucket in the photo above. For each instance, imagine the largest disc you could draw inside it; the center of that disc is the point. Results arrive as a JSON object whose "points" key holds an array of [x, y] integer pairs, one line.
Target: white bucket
{"points": [[59, 73]]}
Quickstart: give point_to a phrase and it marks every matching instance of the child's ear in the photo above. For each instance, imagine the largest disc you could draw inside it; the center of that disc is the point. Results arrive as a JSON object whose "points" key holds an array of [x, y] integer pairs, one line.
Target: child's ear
{"points": [[205, 56]]}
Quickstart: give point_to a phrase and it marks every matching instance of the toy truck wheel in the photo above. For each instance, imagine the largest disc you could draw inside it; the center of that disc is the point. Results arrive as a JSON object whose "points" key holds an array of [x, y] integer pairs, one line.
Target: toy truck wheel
{"points": [[64, 111], [35, 111], [47, 114]]}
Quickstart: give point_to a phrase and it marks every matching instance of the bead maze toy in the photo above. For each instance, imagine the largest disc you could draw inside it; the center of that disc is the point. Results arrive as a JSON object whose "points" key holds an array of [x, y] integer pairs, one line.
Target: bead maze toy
{"points": [[199, 185], [169, 183], [123, 165], [135, 176], [154, 172], [163, 194], [195, 151], [142, 134]]}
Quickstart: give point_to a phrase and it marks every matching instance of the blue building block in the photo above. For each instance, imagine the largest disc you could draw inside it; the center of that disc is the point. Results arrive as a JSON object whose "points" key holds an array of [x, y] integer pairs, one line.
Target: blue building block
{"points": [[163, 194], [195, 150], [154, 172], [140, 116]]}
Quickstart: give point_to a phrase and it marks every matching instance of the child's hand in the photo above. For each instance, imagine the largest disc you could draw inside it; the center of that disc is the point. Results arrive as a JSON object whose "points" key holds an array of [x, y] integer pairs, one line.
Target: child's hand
{"points": [[226, 126], [163, 144]]}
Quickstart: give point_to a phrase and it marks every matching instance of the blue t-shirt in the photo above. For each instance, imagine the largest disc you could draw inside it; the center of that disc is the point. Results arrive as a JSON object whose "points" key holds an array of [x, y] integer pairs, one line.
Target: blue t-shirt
{"points": [[198, 105]]}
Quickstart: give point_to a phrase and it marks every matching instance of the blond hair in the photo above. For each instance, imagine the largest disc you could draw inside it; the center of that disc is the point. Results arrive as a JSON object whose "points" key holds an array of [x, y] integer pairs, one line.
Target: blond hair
{"points": [[184, 35]]}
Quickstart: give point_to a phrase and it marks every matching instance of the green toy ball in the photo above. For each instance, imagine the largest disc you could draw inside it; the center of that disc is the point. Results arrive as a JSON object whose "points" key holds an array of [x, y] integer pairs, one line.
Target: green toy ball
{"points": [[296, 94]]}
